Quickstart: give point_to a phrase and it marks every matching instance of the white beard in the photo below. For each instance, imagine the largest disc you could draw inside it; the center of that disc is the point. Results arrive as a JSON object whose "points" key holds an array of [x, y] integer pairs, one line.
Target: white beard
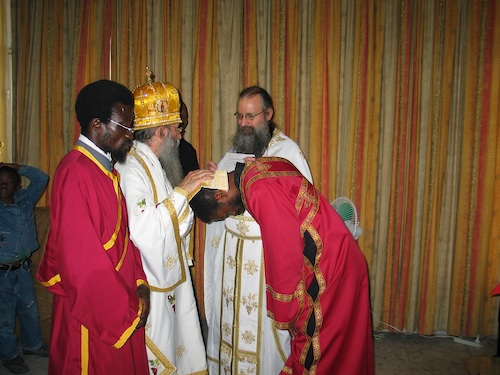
{"points": [[170, 160]]}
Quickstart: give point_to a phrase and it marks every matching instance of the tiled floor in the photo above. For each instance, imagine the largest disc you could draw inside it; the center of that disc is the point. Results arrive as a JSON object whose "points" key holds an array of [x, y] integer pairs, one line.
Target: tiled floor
{"points": [[398, 354]]}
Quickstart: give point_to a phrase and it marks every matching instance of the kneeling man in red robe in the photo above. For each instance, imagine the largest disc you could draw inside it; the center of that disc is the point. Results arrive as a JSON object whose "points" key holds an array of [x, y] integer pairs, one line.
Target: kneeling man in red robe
{"points": [[317, 278]]}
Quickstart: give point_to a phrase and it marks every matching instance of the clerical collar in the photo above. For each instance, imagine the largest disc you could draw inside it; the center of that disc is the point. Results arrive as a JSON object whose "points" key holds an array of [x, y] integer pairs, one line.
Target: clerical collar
{"points": [[102, 157], [88, 142]]}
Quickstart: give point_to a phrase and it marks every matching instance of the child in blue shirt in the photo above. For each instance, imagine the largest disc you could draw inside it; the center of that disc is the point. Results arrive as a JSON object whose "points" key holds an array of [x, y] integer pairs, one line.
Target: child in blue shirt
{"points": [[18, 239]]}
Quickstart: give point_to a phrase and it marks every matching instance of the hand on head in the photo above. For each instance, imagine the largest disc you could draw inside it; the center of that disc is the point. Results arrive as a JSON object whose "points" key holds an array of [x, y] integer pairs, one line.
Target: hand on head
{"points": [[12, 165]]}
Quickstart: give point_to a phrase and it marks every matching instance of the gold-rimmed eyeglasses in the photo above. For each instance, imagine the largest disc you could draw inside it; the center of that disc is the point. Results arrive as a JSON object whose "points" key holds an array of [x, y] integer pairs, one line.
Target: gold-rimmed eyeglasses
{"points": [[248, 116], [130, 130]]}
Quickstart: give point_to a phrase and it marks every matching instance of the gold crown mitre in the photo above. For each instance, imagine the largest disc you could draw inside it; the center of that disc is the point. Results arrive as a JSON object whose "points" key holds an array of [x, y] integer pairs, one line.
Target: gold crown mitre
{"points": [[156, 104]]}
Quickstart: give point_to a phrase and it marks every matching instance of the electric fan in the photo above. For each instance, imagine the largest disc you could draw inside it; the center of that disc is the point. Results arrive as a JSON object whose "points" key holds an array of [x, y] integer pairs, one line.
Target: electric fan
{"points": [[347, 212]]}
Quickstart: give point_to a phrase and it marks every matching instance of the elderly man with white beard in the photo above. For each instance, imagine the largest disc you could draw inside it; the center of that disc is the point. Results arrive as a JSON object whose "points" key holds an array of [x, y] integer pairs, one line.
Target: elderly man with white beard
{"points": [[160, 220]]}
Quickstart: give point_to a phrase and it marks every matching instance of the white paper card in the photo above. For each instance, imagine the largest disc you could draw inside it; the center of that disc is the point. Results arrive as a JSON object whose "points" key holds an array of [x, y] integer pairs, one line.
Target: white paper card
{"points": [[230, 159]]}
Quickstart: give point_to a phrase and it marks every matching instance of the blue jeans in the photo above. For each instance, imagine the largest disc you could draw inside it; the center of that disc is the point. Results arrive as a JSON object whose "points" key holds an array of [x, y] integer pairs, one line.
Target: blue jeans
{"points": [[17, 298]]}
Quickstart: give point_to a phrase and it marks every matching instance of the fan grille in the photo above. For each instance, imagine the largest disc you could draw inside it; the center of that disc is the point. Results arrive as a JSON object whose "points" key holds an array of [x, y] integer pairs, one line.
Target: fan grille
{"points": [[347, 211]]}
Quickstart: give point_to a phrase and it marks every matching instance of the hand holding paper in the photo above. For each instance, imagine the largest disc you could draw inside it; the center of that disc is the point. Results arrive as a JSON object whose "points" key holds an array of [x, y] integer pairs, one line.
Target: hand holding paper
{"points": [[230, 159]]}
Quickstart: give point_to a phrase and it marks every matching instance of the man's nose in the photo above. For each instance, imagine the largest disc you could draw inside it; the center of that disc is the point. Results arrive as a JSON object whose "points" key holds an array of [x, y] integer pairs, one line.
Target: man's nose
{"points": [[246, 122]]}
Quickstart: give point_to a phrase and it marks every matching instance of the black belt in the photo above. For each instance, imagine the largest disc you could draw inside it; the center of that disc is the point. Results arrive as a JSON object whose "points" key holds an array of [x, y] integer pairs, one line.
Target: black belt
{"points": [[12, 267]]}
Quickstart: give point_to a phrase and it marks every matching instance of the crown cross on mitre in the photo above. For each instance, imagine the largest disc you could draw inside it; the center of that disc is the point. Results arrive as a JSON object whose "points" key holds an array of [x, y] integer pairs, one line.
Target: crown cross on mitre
{"points": [[156, 104], [149, 73]]}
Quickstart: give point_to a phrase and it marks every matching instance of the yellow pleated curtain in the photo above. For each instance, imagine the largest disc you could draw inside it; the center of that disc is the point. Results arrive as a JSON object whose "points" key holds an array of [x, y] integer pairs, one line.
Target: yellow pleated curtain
{"points": [[394, 103]]}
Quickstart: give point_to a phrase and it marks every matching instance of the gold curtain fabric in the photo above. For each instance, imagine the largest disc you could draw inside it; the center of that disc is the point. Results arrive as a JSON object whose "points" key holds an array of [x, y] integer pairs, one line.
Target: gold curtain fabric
{"points": [[394, 103]]}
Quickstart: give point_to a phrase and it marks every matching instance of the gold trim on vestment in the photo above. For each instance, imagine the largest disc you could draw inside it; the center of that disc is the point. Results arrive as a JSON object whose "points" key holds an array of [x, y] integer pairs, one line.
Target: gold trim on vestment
{"points": [[169, 367], [281, 352], [125, 247], [182, 191], [212, 359], [243, 217], [173, 215], [110, 243], [84, 350], [143, 164], [52, 281], [239, 235], [175, 222], [202, 372], [307, 207], [130, 330], [234, 356], [237, 308], [184, 214]]}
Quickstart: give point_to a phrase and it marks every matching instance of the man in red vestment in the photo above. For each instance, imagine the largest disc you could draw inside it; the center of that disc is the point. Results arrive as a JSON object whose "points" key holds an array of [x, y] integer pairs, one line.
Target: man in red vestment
{"points": [[317, 279], [101, 297]]}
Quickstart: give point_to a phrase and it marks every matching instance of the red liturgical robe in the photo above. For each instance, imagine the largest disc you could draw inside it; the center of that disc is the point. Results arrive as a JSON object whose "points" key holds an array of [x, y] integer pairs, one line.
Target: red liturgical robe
{"points": [[496, 290], [93, 269], [317, 278]]}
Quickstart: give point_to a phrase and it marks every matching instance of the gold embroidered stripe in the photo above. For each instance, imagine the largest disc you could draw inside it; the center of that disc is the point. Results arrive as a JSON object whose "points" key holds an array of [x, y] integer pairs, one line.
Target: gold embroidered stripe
{"points": [[129, 331], [141, 161], [85, 350], [109, 244], [239, 235], [53, 281], [124, 252]]}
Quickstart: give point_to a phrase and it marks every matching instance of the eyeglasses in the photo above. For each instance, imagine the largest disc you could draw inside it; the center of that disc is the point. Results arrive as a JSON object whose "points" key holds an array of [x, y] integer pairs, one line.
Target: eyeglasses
{"points": [[248, 116], [176, 127], [130, 130]]}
